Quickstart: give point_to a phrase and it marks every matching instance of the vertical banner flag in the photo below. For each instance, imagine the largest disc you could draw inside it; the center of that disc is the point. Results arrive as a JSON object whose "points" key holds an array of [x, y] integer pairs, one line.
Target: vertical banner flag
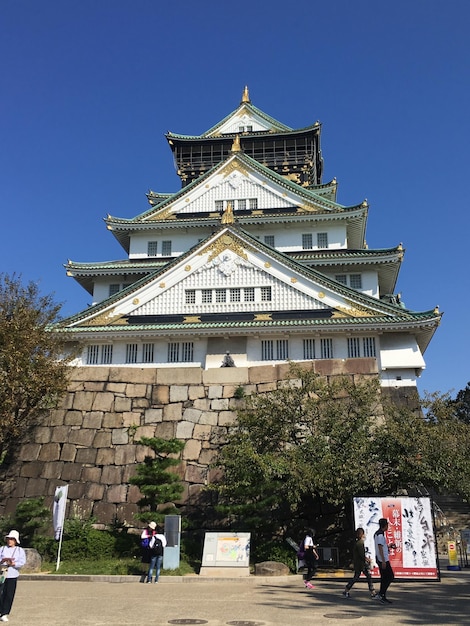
{"points": [[410, 528], [58, 511]]}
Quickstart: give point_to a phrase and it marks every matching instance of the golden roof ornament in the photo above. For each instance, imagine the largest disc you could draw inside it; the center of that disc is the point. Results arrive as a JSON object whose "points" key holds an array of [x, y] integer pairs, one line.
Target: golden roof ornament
{"points": [[245, 96], [236, 147]]}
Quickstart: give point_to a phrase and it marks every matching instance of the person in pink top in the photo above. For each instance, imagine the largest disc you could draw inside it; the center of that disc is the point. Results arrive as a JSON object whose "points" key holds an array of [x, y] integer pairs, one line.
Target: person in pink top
{"points": [[12, 558]]}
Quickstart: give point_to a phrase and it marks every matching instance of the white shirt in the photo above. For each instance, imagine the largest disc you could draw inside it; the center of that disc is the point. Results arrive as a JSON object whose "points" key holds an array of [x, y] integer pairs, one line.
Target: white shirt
{"points": [[18, 555], [380, 540]]}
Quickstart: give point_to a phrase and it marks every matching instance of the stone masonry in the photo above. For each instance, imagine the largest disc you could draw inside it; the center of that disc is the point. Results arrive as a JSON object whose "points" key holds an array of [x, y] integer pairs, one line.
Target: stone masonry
{"points": [[89, 442]]}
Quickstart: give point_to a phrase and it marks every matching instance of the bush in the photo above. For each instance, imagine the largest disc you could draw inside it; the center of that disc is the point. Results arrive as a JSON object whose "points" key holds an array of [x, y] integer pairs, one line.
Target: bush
{"points": [[274, 551]]}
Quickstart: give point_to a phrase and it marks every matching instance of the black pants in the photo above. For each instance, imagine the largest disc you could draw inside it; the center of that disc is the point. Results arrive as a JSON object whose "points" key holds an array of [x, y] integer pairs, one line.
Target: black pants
{"points": [[357, 576], [311, 563], [7, 595], [386, 577]]}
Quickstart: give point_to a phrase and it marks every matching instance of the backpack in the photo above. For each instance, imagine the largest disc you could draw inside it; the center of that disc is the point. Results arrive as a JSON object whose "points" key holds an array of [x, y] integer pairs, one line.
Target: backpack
{"points": [[145, 542], [156, 546]]}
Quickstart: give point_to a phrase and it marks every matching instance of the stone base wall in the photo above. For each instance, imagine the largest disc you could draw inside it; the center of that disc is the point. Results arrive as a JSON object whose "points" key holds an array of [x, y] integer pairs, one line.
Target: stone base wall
{"points": [[88, 443]]}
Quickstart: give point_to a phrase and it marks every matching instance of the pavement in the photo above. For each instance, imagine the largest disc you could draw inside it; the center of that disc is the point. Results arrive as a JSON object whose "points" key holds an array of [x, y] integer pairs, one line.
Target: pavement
{"points": [[50, 600]]}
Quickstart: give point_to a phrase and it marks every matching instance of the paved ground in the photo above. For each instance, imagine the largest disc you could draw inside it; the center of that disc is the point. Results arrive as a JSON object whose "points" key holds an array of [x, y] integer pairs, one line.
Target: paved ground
{"points": [[43, 601]]}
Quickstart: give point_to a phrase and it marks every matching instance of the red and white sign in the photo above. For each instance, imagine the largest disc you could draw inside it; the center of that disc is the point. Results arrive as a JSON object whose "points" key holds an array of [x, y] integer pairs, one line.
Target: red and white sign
{"points": [[410, 529]]}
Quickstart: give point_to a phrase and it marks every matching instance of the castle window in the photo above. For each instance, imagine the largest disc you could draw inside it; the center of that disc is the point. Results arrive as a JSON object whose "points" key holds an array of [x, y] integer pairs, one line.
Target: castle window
{"points": [[368, 346], [107, 354], [309, 348], [322, 240], [274, 351], [354, 351], [326, 348], [282, 349], [152, 247], [266, 294], [267, 350], [190, 296], [269, 240], [307, 241], [92, 354], [220, 295], [219, 205], [355, 281], [253, 203], [249, 294], [235, 294], [131, 353], [206, 296], [241, 205], [342, 278], [166, 248], [148, 352], [180, 352], [114, 288]]}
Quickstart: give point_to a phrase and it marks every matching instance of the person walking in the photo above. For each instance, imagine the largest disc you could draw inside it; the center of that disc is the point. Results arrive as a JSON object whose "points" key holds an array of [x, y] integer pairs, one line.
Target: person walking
{"points": [[156, 546], [311, 555], [383, 560], [361, 565], [12, 558]]}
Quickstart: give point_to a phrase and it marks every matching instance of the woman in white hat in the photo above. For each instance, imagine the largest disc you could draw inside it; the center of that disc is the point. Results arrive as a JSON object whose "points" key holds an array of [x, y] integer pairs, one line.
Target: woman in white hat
{"points": [[12, 558]]}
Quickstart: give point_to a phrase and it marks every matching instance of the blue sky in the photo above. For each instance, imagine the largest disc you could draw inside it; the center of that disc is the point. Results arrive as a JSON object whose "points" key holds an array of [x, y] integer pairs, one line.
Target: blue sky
{"points": [[89, 87]]}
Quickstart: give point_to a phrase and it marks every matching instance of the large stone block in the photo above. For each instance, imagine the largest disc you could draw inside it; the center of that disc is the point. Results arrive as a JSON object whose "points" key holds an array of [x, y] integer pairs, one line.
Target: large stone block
{"points": [[120, 436], [209, 417], [191, 451], [144, 375], [118, 389], [179, 376], [227, 418], [125, 455], [165, 430], [105, 512], [126, 512], [73, 418], [105, 456], [94, 419], [116, 494], [68, 452], [112, 420], [83, 400], [178, 393], [215, 391], [219, 404], [225, 376], [35, 488], [60, 434], [160, 395], [102, 439], [207, 457], [195, 392], [184, 430], [202, 432], [49, 452], [195, 474], [82, 436], [88, 373], [173, 412], [103, 401], [111, 475], [262, 374], [131, 418], [122, 404], [94, 386], [192, 415], [91, 474], [135, 390], [267, 387], [361, 366], [153, 416], [203, 404], [42, 434], [53, 470], [144, 431], [72, 472], [94, 491], [86, 456], [29, 452], [57, 417]]}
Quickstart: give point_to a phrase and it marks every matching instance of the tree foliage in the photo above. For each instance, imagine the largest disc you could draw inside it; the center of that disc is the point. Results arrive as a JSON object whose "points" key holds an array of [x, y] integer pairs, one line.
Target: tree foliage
{"points": [[314, 443], [154, 478], [462, 404], [33, 363]]}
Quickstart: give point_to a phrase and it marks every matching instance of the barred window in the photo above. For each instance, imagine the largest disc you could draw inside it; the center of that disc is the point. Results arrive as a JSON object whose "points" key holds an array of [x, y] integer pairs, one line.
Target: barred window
{"points": [[152, 247], [114, 288], [266, 295], [92, 354], [241, 205], [220, 295], [282, 349], [253, 204], [322, 240], [326, 348], [106, 354], [187, 351], [166, 248], [235, 294], [267, 350], [355, 281], [309, 348], [190, 296], [354, 349], [131, 353], [207, 295], [219, 205], [342, 278], [173, 352], [368, 346], [307, 241], [249, 294], [148, 352], [269, 240]]}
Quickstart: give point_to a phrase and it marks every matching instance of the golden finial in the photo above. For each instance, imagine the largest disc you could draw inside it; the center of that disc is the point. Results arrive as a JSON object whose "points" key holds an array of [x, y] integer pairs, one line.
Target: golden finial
{"points": [[436, 310], [246, 95], [400, 246], [365, 203], [236, 144], [227, 215]]}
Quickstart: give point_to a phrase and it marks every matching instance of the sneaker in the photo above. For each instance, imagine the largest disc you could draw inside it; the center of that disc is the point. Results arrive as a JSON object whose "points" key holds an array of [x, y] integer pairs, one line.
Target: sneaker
{"points": [[4, 618], [386, 600], [345, 594], [373, 594]]}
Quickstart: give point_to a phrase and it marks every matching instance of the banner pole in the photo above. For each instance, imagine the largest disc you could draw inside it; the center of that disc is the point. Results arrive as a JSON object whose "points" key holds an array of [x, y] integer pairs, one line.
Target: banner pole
{"points": [[60, 547]]}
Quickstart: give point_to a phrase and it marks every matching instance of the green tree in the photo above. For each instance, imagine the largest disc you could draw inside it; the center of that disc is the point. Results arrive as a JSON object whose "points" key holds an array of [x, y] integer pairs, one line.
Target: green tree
{"points": [[157, 483], [312, 445], [33, 360], [462, 404]]}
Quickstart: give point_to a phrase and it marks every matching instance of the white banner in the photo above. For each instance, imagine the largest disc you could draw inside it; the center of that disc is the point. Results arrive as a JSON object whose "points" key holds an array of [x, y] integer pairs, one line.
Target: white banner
{"points": [[58, 511]]}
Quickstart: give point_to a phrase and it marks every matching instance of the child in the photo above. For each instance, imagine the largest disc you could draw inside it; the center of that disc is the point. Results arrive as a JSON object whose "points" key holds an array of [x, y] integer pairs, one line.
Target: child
{"points": [[361, 564]]}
